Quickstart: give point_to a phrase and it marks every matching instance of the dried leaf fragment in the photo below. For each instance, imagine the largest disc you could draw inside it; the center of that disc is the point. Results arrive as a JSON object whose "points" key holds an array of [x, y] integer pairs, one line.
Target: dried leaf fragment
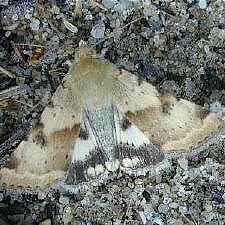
{"points": [[70, 26]]}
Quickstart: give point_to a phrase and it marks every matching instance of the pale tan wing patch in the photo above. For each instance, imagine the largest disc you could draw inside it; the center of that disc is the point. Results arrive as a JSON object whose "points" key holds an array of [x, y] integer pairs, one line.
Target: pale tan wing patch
{"points": [[209, 125], [40, 159], [178, 124], [12, 178], [63, 113], [132, 96]]}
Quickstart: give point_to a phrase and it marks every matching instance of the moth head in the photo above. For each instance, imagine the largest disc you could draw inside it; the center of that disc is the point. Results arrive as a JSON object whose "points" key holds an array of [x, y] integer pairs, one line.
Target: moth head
{"points": [[92, 78]]}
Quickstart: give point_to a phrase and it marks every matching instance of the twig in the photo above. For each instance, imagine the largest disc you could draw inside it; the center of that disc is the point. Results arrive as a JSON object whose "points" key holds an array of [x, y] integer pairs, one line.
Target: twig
{"points": [[16, 50], [23, 103], [187, 219], [131, 22], [12, 92], [78, 9], [30, 45], [6, 72], [99, 5]]}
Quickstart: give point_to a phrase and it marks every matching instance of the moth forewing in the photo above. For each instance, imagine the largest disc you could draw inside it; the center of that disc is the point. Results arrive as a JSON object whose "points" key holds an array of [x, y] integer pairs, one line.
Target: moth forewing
{"points": [[132, 96], [63, 112]]}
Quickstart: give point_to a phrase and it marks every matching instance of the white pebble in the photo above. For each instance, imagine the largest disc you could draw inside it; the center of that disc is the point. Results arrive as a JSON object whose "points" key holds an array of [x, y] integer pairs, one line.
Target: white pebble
{"points": [[109, 3], [143, 218], [27, 16], [7, 33], [127, 162], [15, 17], [34, 25], [91, 172], [112, 166], [202, 4], [99, 169], [98, 30]]}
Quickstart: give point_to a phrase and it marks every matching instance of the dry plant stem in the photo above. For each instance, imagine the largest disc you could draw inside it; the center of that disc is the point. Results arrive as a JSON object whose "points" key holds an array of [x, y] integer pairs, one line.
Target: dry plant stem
{"points": [[6, 72], [16, 50], [11, 92], [30, 45], [97, 4]]}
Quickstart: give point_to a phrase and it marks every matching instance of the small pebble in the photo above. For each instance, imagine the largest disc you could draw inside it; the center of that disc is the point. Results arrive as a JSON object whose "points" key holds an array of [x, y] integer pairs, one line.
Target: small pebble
{"points": [[15, 17], [64, 200], [4, 2], [143, 218], [46, 222], [7, 33], [1, 196], [183, 163], [173, 205], [109, 3], [202, 4], [98, 30], [163, 208], [34, 25]]}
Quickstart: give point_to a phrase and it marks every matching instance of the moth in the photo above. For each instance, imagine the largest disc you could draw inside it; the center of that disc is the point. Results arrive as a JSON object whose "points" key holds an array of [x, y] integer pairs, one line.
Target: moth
{"points": [[102, 119]]}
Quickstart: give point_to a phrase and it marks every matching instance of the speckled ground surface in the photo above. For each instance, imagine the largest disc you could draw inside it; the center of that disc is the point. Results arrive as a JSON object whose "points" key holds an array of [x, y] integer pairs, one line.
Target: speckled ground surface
{"points": [[179, 46]]}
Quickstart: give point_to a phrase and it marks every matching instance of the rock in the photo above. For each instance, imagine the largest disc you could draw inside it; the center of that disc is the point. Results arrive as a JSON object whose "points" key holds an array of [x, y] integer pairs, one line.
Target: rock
{"points": [[183, 163], [163, 208], [202, 4], [109, 3], [64, 200], [173, 205], [1, 196], [98, 30], [143, 218], [67, 215], [4, 2], [46, 222], [34, 25]]}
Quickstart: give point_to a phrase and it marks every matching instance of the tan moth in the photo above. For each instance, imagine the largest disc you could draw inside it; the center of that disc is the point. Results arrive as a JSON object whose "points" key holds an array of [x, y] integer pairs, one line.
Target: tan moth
{"points": [[103, 119]]}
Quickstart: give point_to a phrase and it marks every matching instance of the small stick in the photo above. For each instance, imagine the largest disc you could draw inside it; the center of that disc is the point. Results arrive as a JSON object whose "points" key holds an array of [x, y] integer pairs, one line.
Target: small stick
{"points": [[6, 72], [23, 103], [16, 50], [97, 4], [30, 45], [11, 92]]}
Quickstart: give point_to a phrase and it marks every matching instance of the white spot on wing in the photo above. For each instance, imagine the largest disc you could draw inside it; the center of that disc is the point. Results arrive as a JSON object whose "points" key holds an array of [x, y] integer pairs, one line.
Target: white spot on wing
{"points": [[91, 172], [113, 165], [134, 136], [127, 162], [135, 161], [83, 147], [99, 169]]}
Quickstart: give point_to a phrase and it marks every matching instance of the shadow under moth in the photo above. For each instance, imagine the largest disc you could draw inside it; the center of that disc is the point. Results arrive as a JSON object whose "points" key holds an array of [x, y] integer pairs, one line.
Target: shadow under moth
{"points": [[101, 119]]}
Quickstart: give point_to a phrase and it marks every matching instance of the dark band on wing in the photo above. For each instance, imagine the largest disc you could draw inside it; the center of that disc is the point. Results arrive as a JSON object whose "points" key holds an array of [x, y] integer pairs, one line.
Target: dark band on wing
{"points": [[77, 170]]}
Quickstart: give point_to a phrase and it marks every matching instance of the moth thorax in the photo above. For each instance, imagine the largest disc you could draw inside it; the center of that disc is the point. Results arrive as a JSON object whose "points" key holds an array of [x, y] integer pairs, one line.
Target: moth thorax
{"points": [[93, 81]]}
